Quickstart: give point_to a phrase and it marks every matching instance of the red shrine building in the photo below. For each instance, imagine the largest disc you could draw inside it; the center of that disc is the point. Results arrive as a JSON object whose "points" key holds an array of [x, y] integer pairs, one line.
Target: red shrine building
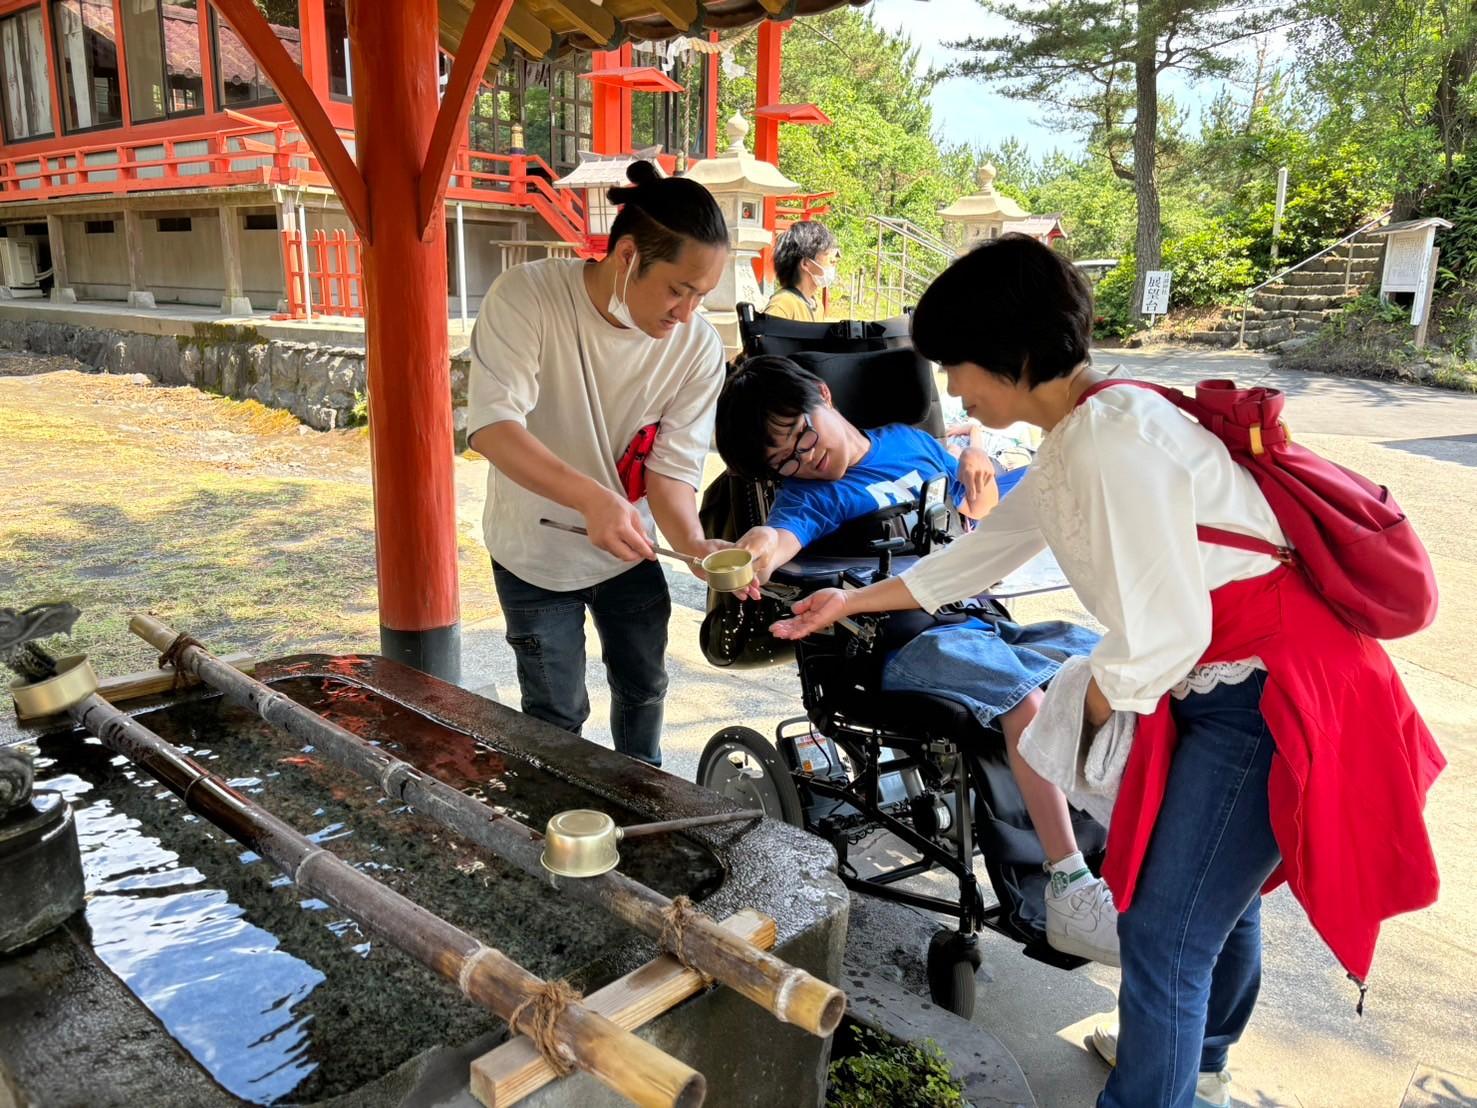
{"points": [[147, 158]]}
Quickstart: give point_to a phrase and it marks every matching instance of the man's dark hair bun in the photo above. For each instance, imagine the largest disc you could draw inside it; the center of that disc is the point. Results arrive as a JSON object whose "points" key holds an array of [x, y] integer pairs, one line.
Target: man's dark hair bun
{"points": [[640, 174]]}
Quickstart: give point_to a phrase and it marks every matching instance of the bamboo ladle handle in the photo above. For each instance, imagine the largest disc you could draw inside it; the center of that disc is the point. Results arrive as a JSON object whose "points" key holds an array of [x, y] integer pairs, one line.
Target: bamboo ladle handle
{"points": [[573, 530]]}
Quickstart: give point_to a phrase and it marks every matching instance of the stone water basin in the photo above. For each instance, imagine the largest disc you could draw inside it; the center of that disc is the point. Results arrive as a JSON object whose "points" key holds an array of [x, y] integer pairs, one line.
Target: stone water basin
{"points": [[273, 997]]}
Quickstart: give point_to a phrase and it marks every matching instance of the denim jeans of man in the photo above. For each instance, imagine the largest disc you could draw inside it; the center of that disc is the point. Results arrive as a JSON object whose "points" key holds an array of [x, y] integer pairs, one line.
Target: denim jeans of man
{"points": [[546, 630], [1191, 940]]}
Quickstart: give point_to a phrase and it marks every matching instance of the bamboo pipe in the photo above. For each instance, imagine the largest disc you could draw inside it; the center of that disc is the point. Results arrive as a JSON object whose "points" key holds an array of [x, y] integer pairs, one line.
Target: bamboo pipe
{"points": [[629, 1065], [791, 994]]}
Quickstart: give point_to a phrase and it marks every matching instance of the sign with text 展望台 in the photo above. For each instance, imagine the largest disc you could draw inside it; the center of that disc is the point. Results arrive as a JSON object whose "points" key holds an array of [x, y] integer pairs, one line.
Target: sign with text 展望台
{"points": [[1156, 292]]}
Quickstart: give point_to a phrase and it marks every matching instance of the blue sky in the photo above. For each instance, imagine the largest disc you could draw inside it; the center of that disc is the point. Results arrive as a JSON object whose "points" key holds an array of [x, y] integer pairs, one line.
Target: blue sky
{"points": [[965, 110]]}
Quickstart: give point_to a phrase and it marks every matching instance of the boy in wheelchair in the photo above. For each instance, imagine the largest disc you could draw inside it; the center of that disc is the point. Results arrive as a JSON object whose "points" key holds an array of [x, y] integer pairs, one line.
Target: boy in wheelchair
{"points": [[776, 420]]}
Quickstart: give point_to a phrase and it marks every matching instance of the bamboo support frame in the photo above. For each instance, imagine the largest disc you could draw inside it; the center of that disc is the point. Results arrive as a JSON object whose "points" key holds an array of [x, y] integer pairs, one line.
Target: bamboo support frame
{"points": [[791, 994], [629, 1065]]}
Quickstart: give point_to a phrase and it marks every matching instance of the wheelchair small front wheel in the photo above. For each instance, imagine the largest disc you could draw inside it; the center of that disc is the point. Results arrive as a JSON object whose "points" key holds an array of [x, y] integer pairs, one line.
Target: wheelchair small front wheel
{"points": [[953, 959], [742, 765]]}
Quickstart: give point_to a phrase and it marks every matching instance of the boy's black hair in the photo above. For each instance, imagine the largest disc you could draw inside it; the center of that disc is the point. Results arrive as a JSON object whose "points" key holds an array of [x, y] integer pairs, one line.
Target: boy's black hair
{"points": [[805, 241], [762, 400], [1013, 307], [661, 214]]}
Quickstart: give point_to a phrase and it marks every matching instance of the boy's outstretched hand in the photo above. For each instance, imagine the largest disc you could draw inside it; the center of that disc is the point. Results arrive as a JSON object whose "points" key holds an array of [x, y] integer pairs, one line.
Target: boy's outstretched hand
{"points": [[815, 613]]}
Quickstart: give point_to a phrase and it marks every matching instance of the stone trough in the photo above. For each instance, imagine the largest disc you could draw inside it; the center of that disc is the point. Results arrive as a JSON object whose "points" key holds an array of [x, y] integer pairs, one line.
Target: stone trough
{"points": [[197, 975]]}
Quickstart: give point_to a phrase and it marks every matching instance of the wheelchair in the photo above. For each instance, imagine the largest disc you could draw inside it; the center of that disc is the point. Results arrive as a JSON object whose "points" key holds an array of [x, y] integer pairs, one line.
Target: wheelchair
{"points": [[861, 760]]}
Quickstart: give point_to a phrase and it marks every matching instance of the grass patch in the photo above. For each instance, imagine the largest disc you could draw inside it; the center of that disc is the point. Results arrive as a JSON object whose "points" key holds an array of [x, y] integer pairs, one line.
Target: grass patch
{"points": [[1373, 338], [119, 523]]}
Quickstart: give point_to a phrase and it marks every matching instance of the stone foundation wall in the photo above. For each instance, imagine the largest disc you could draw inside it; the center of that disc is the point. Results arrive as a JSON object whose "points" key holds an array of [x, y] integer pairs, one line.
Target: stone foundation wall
{"points": [[319, 384]]}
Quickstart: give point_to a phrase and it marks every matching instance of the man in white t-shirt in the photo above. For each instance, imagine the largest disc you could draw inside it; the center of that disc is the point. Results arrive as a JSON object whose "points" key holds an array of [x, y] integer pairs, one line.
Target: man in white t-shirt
{"points": [[592, 394]]}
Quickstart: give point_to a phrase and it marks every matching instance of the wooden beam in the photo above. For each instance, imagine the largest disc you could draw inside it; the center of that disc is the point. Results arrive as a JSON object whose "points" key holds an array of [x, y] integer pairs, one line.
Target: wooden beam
{"points": [[528, 33], [479, 37], [681, 14], [588, 19], [774, 7], [514, 1070], [264, 46]]}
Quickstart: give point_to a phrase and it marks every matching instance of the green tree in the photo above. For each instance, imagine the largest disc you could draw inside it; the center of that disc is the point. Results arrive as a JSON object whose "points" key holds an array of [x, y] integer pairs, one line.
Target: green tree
{"points": [[880, 155], [1097, 65]]}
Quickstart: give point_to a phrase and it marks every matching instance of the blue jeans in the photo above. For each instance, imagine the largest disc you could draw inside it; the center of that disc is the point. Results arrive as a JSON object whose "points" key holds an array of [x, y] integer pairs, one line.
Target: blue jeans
{"points": [[546, 630], [1191, 942], [988, 666]]}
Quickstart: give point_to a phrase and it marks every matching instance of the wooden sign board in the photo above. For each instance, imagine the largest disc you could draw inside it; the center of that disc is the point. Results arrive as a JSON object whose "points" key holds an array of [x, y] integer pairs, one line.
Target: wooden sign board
{"points": [[1407, 258]]}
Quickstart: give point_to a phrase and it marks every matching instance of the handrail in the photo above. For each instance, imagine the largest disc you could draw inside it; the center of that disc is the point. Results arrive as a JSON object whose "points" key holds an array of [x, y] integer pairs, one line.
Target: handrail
{"points": [[912, 231], [1247, 294]]}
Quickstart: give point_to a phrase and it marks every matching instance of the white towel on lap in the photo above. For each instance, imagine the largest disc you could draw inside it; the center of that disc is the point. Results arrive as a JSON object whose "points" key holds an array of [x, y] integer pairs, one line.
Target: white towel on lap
{"points": [[1054, 745]]}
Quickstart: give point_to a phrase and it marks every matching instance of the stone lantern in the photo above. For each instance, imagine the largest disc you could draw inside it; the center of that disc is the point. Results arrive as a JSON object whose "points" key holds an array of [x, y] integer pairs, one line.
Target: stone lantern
{"points": [[982, 217], [595, 175], [740, 183]]}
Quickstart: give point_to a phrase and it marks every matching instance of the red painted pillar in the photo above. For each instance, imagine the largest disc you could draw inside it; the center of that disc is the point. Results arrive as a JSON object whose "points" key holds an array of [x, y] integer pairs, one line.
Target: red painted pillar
{"points": [[313, 29], [395, 101], [767, 131], [605, 130], [627, 59]]}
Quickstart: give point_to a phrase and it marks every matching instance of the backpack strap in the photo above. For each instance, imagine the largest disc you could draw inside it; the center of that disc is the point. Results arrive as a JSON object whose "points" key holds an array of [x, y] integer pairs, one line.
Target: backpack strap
{"points": [[1214, 535]]}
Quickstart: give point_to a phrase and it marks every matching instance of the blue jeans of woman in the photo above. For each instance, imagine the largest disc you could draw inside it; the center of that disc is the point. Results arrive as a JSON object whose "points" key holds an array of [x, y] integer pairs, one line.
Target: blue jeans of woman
{"points": [[546, 630], [1191, 940]]}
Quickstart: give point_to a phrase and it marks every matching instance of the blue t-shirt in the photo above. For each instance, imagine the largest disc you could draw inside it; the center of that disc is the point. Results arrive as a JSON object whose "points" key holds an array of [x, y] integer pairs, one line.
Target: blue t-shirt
{"points": [[901, 459]]}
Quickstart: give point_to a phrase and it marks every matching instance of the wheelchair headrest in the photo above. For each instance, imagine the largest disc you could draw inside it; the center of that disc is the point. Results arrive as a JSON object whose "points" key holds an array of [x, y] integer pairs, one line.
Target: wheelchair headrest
{"points": [[878, 387], [764, 334]]}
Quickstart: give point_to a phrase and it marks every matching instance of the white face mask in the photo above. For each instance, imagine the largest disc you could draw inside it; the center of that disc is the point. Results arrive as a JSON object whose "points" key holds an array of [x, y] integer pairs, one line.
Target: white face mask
{"points": [[826, 277], [618, 307]]}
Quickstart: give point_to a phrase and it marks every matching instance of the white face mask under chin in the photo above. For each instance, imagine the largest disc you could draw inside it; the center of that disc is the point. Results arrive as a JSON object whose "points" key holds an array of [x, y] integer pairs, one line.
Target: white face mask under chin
{"points": [[619, 308]]}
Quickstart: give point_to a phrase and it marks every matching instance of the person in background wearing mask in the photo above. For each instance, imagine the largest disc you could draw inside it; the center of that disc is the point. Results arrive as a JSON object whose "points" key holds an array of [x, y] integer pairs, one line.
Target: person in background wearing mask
{"points": [[804, 263], [592, 392]]}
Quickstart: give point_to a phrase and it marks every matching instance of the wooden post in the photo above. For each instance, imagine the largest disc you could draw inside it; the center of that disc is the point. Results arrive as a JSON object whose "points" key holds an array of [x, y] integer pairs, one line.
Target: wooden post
{"points": [[133, 241], [1423, 297], [395, 103], [233, 299], [61, 282]]}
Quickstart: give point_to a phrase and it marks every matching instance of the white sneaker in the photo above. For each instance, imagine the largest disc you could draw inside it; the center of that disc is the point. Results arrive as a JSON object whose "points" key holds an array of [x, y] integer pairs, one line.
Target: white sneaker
{"points": [[1081, 919], [1212, 1090]]}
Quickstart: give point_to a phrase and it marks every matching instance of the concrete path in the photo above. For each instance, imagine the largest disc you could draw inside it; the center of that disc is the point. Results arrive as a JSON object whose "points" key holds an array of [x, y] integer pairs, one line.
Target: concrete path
{"points": [[1417, 1042]]}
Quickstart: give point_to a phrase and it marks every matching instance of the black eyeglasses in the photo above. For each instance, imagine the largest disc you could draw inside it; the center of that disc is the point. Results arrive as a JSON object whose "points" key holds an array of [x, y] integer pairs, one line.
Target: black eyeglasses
{"points": [[804, 444]]}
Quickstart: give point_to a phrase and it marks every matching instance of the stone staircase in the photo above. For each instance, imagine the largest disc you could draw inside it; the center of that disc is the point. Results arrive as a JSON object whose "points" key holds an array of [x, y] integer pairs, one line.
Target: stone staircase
{"points": [[1303, 300]]}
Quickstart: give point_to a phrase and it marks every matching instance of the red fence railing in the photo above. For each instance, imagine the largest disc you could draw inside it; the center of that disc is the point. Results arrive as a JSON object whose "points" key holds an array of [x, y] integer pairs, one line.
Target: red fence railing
{"points": [[334, 282]]}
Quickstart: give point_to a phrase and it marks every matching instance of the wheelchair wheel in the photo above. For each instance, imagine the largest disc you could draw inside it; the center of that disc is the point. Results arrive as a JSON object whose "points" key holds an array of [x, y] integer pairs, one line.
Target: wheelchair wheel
{"points": [[744, 766], [952, 961]]}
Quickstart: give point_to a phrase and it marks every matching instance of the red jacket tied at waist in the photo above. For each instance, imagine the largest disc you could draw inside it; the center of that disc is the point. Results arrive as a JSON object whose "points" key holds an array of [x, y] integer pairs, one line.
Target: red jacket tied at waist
{"points": [[1348, 784]]}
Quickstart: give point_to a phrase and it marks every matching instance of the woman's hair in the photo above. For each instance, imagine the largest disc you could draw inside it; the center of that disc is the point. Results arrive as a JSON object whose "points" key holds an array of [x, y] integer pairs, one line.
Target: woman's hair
{"points": [[763, 398], [803, 242], [1013, 307], [660, 214]]}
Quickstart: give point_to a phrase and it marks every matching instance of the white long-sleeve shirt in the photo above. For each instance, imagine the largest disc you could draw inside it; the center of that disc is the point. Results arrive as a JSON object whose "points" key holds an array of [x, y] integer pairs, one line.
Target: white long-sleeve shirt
{"points": [[1116, 492], [543, 357]]}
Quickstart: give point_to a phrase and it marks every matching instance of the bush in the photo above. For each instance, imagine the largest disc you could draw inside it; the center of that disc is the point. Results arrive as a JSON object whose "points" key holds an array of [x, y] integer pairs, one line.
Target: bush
{"points": [[1210, 266], [1113, 315], [1328, 196], [1456, 202], [887, 1073]]}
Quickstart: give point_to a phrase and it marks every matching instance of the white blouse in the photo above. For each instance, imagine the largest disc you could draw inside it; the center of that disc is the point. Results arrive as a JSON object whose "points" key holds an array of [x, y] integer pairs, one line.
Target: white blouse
{"points": [[1116, 492]]}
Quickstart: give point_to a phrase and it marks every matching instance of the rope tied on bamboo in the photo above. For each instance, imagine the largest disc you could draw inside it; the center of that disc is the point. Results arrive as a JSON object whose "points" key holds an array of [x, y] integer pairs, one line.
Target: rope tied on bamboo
{"points": [[547, 1002], [170, 659], [675, 918]]}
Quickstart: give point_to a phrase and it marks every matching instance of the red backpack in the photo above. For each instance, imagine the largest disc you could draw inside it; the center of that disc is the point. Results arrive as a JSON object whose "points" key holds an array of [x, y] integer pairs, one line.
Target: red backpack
{"points": [[1348, 535]]}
